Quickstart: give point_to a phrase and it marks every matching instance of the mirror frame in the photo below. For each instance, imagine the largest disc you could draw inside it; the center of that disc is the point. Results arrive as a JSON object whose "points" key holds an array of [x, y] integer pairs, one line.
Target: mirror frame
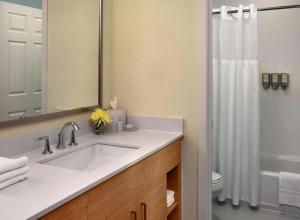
{"points": [[49, 116]]}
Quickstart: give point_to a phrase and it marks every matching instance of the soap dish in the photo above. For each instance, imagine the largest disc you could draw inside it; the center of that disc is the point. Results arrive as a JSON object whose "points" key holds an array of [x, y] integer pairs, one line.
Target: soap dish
{"points": [[130, 129]]}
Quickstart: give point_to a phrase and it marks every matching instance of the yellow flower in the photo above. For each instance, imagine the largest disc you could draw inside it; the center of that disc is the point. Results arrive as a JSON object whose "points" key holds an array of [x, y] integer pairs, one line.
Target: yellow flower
{"points": [[101, 115], [95, 116]]}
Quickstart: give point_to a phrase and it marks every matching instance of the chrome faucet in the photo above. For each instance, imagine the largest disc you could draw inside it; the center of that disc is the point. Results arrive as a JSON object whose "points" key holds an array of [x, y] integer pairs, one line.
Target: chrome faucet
{"points": [[62, 135]]}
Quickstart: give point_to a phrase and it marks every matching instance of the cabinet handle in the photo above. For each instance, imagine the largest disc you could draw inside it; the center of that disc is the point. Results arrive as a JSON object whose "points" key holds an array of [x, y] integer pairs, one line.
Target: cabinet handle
{"points": [[133, 215], [144, 211]]}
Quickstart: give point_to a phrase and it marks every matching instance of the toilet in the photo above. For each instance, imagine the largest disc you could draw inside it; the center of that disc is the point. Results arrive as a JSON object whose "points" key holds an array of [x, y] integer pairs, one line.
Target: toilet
{"points": [[217, 184]]}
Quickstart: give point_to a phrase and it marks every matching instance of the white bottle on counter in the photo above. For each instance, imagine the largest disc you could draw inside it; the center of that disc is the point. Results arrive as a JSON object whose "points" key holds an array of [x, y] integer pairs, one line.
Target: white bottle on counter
{"points": [[120, 126]]}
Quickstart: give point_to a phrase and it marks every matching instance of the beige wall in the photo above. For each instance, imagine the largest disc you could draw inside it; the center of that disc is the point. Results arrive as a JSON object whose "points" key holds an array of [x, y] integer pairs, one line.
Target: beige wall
{"points": [[73, 35], [156, 67]]}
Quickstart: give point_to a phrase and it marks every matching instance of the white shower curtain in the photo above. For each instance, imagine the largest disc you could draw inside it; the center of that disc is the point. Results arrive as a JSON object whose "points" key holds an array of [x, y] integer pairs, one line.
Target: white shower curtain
{"points": [[236, 104]]}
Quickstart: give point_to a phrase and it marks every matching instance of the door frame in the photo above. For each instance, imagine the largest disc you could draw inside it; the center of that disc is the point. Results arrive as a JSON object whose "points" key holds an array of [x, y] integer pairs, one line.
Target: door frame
{"points": [[204, 206]]}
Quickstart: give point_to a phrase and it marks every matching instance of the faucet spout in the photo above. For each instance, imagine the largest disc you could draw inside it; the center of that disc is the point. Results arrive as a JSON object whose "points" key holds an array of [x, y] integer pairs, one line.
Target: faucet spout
{"points": [[61, 136]]}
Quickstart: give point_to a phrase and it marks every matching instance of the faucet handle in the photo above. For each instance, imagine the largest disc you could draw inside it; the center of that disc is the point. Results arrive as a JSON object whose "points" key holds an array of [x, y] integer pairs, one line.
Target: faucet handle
{"points": [[47, 148], [43, 138]]}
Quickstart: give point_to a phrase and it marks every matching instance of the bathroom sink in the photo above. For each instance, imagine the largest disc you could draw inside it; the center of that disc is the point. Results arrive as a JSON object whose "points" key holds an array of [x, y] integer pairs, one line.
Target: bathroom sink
{"points": [[89, 158]]}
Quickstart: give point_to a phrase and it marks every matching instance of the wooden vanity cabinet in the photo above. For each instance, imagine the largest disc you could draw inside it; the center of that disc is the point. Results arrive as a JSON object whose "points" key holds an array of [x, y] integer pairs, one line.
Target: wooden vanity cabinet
{"points": [[137, 193]]}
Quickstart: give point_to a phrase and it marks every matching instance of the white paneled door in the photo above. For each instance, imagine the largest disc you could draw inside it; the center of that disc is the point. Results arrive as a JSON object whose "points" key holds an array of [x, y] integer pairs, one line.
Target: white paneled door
{"points": [[20, 61]]}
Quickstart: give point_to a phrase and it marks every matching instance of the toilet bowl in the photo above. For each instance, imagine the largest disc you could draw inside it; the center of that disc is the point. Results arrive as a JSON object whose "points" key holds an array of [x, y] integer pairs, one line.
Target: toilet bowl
{"points": [[217, 184]]}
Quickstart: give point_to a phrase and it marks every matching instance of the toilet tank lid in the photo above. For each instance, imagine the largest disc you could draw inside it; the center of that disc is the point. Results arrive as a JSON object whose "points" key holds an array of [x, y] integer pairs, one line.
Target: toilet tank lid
{"points": [[215, 176]]}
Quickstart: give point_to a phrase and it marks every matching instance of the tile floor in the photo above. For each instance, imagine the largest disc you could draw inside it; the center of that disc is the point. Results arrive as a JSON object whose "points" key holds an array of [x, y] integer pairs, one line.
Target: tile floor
{"points": [[226, 212]]}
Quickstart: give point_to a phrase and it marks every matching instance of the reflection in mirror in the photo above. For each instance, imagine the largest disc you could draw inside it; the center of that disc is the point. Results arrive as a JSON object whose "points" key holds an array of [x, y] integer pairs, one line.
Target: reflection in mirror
{"points": [[107, 52], [49, 53]]}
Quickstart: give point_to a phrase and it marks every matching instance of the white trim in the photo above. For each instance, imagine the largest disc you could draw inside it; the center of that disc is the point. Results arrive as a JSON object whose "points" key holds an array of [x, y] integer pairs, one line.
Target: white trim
{"points": [[44, 62], [209, 101], [204, 151]]}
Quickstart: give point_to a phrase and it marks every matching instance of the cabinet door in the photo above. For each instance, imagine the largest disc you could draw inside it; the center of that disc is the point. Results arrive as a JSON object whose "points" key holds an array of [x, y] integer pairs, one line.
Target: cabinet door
{"points": [[152, 204], [128, 212]]}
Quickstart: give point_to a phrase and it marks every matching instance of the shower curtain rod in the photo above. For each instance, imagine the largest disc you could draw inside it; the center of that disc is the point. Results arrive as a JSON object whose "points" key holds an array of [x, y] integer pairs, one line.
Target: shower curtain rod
{"points": [[261, 9]]}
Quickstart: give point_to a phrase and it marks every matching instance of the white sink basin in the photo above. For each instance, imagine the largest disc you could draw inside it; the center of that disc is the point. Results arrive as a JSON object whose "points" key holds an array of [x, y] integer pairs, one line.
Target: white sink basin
{"points": [[89, 158]]}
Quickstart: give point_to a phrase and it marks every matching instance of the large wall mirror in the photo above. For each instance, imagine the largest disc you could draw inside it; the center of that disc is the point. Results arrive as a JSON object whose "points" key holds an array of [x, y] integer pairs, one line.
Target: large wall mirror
{"points": [[49, 56]]}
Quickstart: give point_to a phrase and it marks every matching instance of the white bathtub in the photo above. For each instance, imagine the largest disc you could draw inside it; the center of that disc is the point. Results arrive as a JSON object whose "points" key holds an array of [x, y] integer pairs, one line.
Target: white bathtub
{"points": [[271, 165]]}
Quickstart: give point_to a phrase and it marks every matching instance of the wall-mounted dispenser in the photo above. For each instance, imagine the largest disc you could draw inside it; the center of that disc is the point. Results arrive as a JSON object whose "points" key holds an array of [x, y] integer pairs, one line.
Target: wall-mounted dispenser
{"points": [[284, 79], [266, 80], [275, 80]]}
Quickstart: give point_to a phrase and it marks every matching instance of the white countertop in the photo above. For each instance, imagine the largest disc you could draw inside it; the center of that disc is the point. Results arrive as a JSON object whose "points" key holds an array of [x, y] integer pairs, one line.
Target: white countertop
{"points": [[49, 187]]}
